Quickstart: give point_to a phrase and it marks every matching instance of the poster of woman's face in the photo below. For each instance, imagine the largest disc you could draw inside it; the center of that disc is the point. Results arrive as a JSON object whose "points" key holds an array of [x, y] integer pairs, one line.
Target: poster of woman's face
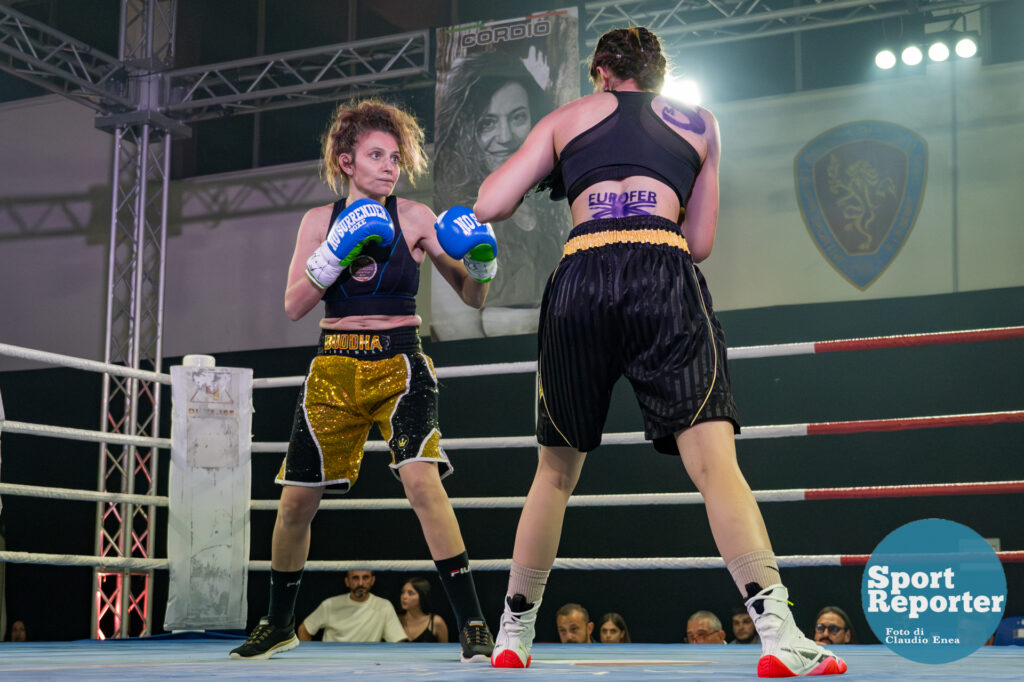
{"points": [[494, 82], [504, 124]]}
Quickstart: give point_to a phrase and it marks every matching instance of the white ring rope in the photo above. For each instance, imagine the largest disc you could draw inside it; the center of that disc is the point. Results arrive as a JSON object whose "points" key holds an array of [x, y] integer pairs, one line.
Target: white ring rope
{"points": [[616, 500], [81, 363], [623, 500], [18, 489], [423, 565], [489, 442], [504, 442], [84, 435], [585, 564], [81, 560], [573, 563], [453, 372], [457, 371], [482, 443]]}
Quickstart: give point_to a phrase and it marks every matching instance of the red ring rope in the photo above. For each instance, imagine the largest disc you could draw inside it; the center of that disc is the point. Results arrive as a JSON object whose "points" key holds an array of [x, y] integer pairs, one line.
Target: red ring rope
{"points": [[908, 423], [1014, 557], [901, 340], [923, 490]]}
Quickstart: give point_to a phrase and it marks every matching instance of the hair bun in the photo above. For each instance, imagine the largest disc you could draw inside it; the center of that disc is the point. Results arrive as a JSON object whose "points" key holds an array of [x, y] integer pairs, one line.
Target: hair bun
{"points": [[631, 53]]}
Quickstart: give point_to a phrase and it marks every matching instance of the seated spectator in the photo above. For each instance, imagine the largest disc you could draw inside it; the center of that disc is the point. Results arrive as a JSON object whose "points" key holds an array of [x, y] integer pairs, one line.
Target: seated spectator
{"points": [[574, 624], [417, 614], [1010, 631], [743, 631], [833, 626], [703, 627], [18, 632], [356, 616], [611, 629]]}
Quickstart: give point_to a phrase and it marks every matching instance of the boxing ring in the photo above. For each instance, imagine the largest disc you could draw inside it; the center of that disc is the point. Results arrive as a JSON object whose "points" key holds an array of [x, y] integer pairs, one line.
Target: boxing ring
{"points": [[194, 656], [195, 659]]}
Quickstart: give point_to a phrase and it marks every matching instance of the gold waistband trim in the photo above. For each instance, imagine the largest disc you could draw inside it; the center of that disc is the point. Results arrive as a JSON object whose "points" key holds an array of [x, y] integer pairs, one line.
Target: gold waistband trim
{"points": [[596, 239]]}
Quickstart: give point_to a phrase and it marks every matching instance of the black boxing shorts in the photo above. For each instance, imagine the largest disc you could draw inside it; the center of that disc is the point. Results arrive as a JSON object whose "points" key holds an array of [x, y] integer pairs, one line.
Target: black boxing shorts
{"points": [[627, 299]]}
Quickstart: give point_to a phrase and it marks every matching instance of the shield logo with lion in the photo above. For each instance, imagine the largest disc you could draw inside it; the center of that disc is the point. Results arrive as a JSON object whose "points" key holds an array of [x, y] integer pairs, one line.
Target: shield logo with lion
{"points": [[860, 187]]}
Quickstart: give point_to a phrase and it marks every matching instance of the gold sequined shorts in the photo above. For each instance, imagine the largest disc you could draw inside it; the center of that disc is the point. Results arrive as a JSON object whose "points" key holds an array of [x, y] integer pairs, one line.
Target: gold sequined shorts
{"points": [[355, 381]]}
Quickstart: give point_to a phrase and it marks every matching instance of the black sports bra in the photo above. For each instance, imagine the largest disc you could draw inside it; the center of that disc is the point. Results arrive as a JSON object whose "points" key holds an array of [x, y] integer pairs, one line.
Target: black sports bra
{"points": [[632, 140]]}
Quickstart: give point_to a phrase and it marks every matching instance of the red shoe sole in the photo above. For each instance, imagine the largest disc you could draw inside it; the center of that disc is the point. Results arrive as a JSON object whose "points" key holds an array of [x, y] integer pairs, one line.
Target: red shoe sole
{"points": [[509, 659], [770, 666]]}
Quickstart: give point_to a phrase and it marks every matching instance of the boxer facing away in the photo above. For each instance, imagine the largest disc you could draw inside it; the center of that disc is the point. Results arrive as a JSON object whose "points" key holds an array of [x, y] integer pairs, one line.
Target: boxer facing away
{"points": [[640, 172]]}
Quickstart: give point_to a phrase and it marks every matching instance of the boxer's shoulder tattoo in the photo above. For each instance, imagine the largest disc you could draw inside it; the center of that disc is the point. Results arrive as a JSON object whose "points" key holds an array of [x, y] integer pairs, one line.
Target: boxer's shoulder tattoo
{"points": [[694, 123], [620, 205]]}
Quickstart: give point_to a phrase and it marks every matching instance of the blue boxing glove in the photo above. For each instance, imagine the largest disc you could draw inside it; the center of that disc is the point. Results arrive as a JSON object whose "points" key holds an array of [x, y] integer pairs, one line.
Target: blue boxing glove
{"points": [[463, 236], [361, 222]]}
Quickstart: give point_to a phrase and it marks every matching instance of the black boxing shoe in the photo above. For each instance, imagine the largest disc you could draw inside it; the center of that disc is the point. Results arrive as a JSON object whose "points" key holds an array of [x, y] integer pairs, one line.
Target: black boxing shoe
{"points": [[476, 640], [265, 640]]}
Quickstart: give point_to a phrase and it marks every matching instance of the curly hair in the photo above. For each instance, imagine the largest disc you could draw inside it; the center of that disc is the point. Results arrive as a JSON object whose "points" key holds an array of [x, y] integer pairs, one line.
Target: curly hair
{"points": [[632, 52], [458, 167], [352, 119]]}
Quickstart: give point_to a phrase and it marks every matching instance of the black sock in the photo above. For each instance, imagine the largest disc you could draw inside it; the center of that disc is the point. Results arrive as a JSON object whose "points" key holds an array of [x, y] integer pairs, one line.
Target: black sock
{"points": [[284, 589], [457, 581]]}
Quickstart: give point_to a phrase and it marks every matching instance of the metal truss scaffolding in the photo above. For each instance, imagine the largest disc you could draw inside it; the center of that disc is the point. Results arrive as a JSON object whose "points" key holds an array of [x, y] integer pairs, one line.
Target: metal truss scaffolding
{"points": [[57, 62], [692, 23], [289, 79], [134, 325]]}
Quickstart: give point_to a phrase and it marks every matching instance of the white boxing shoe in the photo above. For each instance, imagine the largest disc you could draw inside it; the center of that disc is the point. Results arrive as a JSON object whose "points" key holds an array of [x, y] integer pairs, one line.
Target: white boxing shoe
{"points": [[785, 651], [515, 634]]}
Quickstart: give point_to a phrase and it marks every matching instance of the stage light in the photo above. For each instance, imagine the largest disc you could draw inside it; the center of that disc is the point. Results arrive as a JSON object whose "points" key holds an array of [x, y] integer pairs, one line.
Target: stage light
{"points": [[940, 47], [911, 55], [938, 51], [684, 90], [885, 60], [966, 47]]}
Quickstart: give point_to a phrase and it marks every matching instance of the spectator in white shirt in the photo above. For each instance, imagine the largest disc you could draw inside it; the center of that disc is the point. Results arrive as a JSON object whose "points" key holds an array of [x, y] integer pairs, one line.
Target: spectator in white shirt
{"points": [[357, 616]]}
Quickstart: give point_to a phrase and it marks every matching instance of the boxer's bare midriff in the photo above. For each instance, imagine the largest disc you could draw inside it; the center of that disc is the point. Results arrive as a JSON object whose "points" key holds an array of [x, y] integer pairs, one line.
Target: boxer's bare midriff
{"points": [[376, 322]]}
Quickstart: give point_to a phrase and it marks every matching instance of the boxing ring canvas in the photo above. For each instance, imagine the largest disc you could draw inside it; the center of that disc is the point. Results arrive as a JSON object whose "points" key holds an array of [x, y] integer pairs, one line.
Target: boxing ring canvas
{"points": [[203, 658]]}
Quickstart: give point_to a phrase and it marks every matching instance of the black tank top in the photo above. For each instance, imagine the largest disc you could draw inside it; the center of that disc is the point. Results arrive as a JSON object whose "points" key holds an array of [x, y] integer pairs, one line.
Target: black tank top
{"points": [[632, 140], [382, 280], [428, 634]]}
